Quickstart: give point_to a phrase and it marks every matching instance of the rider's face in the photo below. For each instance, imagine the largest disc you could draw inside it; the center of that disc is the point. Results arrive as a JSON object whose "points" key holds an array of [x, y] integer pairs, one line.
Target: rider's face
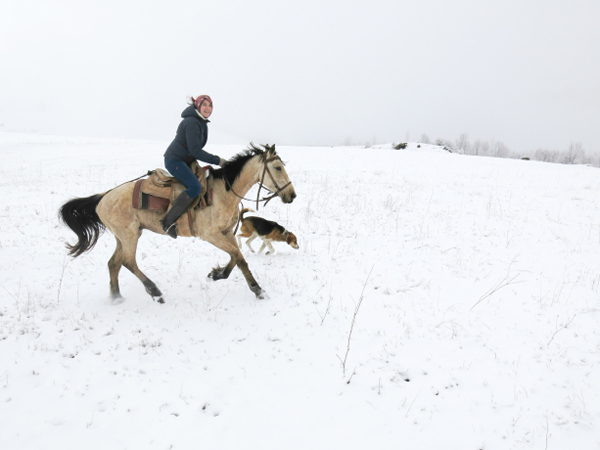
{"points": [[206, 109]]}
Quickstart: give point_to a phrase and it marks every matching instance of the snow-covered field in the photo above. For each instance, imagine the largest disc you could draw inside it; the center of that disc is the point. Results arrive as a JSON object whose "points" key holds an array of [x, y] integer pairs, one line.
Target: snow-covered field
{"points": [[473, 285]]}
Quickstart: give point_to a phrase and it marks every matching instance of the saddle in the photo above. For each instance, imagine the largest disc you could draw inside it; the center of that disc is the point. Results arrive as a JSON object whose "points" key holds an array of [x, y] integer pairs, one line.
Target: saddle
{"points": [[160, 189]]}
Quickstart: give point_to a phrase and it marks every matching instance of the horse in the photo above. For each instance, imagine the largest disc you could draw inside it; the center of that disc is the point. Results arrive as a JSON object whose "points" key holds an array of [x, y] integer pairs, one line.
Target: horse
{"points": [[88, 217]]}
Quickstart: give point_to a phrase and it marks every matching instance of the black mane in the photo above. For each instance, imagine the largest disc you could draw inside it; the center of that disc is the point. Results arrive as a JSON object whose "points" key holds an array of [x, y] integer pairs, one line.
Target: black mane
{"points": [[232, 169]]}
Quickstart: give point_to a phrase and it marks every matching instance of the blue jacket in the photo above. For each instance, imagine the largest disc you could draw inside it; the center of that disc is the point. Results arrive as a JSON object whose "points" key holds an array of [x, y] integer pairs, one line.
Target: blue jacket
{"points": [[190, 139]]}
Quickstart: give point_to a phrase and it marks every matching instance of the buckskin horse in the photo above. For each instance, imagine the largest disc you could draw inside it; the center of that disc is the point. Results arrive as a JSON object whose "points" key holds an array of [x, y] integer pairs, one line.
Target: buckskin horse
{"points": [[88, 217]]}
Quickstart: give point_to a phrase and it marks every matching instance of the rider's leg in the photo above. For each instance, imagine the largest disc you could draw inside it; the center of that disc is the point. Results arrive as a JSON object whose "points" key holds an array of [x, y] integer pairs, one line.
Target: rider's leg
{"points": [[183, 173]]}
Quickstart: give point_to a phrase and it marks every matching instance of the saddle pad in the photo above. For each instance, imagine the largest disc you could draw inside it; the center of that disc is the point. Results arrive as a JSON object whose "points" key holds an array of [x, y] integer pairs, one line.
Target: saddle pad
{"points": [[141, 200]]}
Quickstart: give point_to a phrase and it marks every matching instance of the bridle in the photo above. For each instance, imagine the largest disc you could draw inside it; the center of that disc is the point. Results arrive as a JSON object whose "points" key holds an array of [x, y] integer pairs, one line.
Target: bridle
{"points": [[261, 185]]}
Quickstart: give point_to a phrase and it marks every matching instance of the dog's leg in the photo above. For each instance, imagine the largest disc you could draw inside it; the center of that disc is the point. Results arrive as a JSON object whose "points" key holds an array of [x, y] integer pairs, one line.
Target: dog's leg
{"points": [[250, 239], [262, 247], [271, 249], [239, 241]]}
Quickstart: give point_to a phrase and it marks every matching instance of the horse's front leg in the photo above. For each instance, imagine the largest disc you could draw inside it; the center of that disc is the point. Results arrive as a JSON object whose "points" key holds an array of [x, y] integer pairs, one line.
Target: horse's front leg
{"points": [[222, 273], [228, 244], [222, 242], [254, 287]]}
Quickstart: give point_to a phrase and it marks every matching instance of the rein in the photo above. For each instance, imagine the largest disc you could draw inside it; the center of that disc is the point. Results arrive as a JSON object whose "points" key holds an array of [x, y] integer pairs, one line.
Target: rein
{"points": [[150, 172]]}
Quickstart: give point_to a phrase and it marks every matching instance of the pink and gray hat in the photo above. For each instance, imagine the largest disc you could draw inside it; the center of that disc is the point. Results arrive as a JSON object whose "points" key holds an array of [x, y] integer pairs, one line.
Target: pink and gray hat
{"points": [[198, 101]]}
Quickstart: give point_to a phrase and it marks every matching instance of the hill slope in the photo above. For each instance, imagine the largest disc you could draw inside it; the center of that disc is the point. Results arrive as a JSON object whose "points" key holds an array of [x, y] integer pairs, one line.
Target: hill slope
{"points": [[477, 281]]}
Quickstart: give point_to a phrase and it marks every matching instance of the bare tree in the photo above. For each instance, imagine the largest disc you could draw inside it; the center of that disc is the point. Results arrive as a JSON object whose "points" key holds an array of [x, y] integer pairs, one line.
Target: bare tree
{"points": [[591, 159], [476, 147], [574, 154], [425, 139], [545, 155], [485, 148], [462, 143], [500, 150]]}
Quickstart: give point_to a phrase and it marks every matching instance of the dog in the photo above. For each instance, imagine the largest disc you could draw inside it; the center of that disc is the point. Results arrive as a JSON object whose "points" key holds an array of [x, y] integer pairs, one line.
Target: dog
{"points": [[267, 230]]}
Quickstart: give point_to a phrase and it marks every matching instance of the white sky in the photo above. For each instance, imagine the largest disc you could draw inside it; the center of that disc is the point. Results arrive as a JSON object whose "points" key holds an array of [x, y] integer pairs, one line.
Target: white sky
{"points": [[525, 72]]}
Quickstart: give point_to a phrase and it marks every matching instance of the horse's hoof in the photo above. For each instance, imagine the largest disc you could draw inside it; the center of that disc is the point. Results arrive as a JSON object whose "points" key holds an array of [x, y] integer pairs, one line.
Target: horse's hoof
{"points": [[116, 299], [152, 290], [216, 274], [260, 294], [159, 300]]}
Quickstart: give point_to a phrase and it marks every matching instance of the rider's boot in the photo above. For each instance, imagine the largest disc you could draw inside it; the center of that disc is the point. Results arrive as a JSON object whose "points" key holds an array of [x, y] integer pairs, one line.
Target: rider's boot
{"points": [[179, 206]]}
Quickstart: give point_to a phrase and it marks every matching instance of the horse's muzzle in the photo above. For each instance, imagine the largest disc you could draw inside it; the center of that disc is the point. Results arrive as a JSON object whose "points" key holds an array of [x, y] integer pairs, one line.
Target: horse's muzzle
{"points": [[288, 198]]}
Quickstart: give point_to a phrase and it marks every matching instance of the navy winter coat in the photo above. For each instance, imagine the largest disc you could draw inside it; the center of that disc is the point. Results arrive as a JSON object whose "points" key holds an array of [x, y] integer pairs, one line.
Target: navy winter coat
{"points": [[190, 139]]}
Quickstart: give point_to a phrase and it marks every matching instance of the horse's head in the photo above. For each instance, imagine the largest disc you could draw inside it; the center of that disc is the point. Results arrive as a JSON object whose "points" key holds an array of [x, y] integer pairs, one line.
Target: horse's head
{"points": [[276, 178]]}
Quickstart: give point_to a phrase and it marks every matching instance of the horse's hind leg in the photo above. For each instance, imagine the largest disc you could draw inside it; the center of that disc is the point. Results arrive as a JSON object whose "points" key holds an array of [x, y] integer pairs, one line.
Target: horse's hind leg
{"points": [[116, 213], [114, 267], [129, 242]]}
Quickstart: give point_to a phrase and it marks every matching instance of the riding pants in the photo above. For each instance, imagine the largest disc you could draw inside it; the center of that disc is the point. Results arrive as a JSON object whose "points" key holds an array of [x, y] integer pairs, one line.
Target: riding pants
{"points": [[183, 173]]}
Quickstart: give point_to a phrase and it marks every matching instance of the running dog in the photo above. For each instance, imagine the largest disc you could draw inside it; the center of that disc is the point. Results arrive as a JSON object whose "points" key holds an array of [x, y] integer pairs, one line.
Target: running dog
{"points": [[267, 230]]}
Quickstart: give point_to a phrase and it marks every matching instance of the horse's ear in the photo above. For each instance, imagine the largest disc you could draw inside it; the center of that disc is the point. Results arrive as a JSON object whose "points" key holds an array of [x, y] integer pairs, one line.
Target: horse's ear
{"points": [[271, 149]]}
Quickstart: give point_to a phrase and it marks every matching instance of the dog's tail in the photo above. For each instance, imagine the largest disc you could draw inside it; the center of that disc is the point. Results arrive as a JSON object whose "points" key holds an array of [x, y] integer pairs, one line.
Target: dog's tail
{"points": [[244, 211]]}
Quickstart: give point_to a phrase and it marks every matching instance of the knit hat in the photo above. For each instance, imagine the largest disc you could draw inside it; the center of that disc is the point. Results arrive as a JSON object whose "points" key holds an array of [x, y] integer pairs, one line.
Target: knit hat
{"points": [[198, 101]]}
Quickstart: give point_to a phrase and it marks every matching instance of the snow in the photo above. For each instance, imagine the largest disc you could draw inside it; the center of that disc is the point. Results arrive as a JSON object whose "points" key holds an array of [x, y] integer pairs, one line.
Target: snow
{"points": [[476, 281]]}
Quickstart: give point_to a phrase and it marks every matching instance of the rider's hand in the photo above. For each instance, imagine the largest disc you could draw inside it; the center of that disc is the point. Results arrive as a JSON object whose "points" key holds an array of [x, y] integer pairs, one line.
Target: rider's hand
{"points": [[222, 161]]}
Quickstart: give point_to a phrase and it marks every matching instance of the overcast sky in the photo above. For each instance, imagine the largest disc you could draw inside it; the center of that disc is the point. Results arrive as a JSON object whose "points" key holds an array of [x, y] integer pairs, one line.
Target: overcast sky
{"points": [[309, 72]]}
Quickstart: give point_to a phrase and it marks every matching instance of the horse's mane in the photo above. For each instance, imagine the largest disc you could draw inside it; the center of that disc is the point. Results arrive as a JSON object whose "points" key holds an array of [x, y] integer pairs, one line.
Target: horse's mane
{"points": [[233, 168]]}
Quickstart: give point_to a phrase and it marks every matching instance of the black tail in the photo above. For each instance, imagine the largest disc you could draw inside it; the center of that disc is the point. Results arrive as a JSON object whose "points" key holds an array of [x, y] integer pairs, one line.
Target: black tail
{"points": [[80, 216]]}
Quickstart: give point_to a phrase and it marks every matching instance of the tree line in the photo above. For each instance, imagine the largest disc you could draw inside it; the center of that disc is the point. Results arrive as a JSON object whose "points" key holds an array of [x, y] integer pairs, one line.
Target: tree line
{"points": [[574, 154]]}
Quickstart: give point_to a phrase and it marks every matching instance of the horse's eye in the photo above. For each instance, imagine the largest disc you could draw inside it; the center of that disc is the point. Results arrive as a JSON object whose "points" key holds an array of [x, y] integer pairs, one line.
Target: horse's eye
{"points": [[278, 168]]}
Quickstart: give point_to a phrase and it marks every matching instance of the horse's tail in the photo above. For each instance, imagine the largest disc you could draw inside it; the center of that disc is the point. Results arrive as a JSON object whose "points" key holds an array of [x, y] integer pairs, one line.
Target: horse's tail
{"points": [[244, 211], [80, 216]]}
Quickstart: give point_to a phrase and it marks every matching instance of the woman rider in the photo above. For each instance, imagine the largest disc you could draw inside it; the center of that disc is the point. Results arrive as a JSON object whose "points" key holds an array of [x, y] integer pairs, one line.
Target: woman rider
{"points": [[190, 139]]}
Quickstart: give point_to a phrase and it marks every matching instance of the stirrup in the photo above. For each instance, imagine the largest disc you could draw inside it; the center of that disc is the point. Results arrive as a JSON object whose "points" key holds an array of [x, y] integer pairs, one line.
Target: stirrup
{"points": [[171, 230]]}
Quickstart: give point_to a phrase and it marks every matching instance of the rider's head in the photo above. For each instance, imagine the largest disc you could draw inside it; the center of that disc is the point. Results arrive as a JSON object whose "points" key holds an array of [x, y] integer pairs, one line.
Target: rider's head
{"points": [[204, 105]]}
